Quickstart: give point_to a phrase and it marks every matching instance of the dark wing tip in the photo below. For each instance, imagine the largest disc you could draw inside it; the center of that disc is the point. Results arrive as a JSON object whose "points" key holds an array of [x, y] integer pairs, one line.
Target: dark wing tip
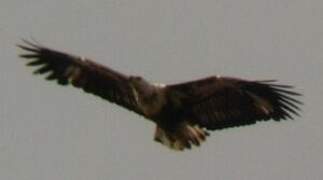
{"points": [[283, 99], [33, 55], [33, 50], [48, 61], [29, 46]]}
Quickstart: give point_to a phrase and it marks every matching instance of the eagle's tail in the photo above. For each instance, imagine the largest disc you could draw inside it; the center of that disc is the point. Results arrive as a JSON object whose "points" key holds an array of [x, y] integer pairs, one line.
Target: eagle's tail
{"points": [[183, 137]]}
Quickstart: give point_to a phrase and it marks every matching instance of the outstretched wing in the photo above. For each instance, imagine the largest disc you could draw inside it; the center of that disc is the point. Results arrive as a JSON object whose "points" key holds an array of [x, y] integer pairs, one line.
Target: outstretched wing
{"points": [[217, 103], [82, 73]]}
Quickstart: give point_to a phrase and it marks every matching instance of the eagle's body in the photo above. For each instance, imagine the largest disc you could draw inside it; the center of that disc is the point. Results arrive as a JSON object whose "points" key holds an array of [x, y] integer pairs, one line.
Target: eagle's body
{"points": [[183, 112]]}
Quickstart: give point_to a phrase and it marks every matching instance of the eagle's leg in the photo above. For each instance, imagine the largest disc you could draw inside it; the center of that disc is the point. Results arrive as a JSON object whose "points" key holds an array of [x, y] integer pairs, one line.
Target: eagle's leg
{"points": [[182, 137]]}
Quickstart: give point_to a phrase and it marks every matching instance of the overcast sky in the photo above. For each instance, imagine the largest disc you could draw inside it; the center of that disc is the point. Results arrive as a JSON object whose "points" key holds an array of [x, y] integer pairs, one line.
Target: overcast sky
{"points": [[52, 132]]}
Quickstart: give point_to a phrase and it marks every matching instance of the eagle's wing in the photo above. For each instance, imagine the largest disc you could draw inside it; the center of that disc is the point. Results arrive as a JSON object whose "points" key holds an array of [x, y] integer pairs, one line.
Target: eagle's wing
{"points": [[217, 103], [82, 73]]}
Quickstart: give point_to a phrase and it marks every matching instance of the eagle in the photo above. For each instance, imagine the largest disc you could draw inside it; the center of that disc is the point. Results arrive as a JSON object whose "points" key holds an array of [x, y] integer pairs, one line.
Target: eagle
{"points": [[184, 113]]}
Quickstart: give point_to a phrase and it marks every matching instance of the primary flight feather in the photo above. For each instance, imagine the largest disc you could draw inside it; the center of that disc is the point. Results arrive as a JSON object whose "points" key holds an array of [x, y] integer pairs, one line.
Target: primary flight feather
{"points": [[183, 113]]}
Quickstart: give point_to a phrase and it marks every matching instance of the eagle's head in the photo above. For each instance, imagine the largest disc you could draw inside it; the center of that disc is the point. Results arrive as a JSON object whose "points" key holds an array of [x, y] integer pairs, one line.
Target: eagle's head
{"points": [[149, 97], [141, 86]]}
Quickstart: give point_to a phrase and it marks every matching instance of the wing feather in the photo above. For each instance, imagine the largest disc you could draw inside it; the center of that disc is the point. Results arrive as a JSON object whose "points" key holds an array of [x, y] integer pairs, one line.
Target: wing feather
{"points": [[217, 103], [82, 73]]}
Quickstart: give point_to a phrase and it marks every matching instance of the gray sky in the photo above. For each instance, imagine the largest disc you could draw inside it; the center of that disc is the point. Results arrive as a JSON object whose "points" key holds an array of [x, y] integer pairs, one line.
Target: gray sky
{"points": [[51, 132]]}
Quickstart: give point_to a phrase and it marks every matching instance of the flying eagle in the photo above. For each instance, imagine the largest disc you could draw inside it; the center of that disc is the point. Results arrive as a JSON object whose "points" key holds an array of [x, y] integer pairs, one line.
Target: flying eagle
{"points": [[184, 113]]}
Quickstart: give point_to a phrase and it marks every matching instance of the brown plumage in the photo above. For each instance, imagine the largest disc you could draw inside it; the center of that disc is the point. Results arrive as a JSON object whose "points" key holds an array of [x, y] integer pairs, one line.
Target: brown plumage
{"points": [[183, 112]]}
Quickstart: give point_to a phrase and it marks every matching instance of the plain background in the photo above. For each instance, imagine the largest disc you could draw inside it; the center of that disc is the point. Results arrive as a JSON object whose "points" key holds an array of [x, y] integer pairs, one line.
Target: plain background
{"points": [[52, 132]]}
